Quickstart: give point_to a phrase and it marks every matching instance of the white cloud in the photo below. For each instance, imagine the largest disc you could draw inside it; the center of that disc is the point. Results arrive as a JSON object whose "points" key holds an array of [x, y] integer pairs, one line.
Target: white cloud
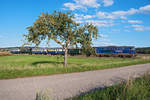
{"points": [[82, 16], [102, 15], [116, 14], [88, 19], [88, 16], [105, 15], [119, 13], [135, 21], [140, 28], [72, 6], [100, 23], [108, 2], [83, 4], [123, 14], [145, 9], [123, 17], [89, 3]]}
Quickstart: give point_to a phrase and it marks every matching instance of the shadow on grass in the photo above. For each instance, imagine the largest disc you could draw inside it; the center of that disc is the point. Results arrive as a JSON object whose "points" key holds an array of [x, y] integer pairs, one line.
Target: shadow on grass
{"points": [[54, 63], [47, 62]]}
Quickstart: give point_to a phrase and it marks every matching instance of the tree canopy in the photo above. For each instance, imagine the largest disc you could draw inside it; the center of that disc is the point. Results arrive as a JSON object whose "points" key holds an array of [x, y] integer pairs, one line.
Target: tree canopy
{"points": [[88, 32], [61, 28]]}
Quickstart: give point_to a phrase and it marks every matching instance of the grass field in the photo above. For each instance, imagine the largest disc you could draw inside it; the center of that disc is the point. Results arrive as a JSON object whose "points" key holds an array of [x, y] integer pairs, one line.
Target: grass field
{"points": [[138, 89], [14, 66]]}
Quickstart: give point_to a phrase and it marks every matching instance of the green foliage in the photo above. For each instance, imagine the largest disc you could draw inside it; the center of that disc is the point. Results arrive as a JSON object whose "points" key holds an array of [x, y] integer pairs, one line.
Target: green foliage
{"points": [[143, 50], [88, 33], [57, 26], [32, 65], [131, 90]]}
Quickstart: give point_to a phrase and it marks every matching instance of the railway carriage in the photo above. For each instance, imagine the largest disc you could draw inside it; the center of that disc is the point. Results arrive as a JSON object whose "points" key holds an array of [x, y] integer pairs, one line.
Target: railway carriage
{"points": [[74, 51], [39, 51], [55, 51], [15, 51]]}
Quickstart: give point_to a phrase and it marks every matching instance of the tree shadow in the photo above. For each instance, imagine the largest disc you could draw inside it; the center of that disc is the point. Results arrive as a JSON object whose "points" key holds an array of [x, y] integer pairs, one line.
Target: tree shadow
{"points": [[47, 62], [116, 82], [86, 92]]}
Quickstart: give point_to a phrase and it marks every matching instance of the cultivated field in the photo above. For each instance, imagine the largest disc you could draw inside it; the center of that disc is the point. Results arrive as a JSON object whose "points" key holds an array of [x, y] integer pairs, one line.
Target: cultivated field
{"points": [[14, 66]]}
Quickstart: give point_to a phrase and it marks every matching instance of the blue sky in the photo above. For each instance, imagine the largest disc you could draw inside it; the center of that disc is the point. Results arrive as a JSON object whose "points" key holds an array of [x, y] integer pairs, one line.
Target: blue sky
{"points": [[120, 22]]}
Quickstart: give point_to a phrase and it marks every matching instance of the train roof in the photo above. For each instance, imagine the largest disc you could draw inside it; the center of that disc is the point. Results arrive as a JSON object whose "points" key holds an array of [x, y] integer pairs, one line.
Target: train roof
{"points": [[115, 47]]}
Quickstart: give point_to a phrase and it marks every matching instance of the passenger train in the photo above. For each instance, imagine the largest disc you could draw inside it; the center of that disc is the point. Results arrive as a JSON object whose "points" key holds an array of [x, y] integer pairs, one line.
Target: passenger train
{"points": [[117, 51]]}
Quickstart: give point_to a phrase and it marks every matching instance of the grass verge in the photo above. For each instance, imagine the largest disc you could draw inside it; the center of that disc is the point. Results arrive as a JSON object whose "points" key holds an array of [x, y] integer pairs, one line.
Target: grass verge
{"points": [[138, 89]]}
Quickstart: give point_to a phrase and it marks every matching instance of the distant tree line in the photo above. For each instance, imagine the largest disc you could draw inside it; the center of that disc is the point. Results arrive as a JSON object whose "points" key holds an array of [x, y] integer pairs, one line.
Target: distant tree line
{"points": [[143, 50]]}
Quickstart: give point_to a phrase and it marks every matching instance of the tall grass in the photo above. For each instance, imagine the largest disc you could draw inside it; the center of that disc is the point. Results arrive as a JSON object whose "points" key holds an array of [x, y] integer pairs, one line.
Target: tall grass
{"points": [[43, 95], [138, 89], [31, 65]]}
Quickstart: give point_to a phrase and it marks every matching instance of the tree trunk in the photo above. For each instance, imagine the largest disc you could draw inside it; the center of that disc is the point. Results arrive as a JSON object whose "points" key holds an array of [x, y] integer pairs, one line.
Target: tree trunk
{"points": [[65, 57]]}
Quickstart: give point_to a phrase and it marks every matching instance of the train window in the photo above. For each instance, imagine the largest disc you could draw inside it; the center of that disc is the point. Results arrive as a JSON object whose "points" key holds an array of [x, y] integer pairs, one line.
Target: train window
{"points": [[98, 48], [101, 48]]}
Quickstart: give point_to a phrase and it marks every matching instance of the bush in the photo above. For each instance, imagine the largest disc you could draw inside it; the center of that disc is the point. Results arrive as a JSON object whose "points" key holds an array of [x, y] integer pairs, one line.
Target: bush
{"points": [[4, 53]]}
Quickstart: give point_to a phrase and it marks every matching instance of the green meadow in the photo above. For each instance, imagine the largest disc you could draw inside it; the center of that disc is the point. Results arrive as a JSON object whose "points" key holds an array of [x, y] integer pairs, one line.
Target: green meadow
{"points": [[14, 66]]}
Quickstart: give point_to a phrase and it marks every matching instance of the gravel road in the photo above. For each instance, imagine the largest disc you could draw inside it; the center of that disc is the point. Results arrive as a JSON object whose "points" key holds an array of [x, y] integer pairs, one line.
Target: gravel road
{"points": [[62, 86]]}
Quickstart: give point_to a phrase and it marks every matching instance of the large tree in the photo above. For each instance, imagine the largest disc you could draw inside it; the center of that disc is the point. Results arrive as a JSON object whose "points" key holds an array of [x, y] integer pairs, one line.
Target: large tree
{"points": [[57, 26]]}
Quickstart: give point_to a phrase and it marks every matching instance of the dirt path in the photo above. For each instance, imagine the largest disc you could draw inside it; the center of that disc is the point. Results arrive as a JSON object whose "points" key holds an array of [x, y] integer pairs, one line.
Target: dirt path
{"points": [[64, 86]]}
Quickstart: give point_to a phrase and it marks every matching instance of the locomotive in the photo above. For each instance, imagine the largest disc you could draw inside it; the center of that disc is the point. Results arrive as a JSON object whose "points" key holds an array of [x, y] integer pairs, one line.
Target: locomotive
{"points": [[119, 51]]}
